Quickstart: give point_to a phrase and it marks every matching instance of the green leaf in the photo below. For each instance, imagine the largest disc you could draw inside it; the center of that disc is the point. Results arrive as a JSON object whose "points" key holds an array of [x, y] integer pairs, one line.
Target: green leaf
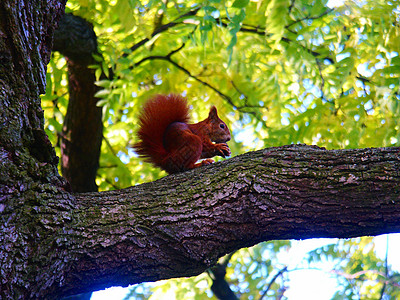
{"points": [[240, 3], [102, 93]]}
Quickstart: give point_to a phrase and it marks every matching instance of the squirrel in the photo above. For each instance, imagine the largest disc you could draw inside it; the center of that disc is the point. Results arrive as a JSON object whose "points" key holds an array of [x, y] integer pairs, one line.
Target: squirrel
{"points": [[168, 141]]}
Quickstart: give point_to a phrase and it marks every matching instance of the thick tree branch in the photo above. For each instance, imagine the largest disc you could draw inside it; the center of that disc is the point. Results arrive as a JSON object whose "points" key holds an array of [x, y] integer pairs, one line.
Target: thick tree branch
{"points": [[220, 287], [180, 225], [76, 39]]}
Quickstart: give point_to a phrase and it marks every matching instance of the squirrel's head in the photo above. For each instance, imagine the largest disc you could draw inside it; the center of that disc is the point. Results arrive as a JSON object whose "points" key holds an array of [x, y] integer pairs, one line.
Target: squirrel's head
{"points": [[219, 132]]}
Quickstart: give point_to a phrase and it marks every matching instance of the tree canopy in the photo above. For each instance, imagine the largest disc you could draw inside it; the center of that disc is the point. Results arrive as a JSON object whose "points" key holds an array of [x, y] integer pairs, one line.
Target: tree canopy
{"points": [[280, 72]]}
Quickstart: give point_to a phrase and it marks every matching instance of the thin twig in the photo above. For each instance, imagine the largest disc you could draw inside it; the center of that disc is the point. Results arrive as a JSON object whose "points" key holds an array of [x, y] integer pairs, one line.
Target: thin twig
{"points": [[291, 6], [388, 280], [261, 31], [162, 28], [328, 11], [186, 71], [321, 87], [386, 268], [272, 281]]}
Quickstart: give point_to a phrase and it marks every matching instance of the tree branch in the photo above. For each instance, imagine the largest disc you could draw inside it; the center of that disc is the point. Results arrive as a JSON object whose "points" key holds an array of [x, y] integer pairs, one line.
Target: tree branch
{"points": [[386, 268], [326, 12], [284, 269], [162, 28], [187, 72], [82, 132], [261, 31], [180, 225], [220, 287], [386, 280]]}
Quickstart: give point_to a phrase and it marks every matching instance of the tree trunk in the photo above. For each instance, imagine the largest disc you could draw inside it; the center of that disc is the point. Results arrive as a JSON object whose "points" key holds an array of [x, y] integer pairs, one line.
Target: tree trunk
{"points": [[29, 179], [83, 128]]}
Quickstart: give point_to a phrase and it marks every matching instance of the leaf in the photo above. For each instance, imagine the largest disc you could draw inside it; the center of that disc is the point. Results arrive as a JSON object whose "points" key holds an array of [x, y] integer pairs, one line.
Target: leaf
{"points": [[98, 73], [277, 18], [101, 102], [102, 93], [240, 3], [104, 67], [103, 83]]}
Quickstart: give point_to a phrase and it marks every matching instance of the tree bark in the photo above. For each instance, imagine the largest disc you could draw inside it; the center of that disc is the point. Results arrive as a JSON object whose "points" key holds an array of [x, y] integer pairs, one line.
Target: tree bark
{"points": [[220, 287], [28, 164], [180, 225], [83, 127]]}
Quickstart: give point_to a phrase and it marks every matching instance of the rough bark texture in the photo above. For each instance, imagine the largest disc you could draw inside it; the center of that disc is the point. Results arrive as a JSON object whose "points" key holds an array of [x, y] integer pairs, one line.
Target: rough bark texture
{"points": [[25, 37], [83, 128], [76, 39], [180, 225], [28, 164]]}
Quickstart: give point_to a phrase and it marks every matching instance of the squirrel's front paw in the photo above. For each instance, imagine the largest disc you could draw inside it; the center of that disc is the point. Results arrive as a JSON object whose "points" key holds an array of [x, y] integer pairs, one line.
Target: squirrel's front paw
{"points": [[223, 150]]}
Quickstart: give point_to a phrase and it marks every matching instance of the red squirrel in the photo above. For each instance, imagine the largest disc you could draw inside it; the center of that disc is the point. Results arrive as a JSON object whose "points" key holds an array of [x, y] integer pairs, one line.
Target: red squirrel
{"points": [[168, 141]]}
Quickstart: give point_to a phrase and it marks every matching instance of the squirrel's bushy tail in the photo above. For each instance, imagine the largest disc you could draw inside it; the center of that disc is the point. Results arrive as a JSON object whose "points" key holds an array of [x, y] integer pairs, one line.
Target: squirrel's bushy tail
{"points": [[157, 114]]}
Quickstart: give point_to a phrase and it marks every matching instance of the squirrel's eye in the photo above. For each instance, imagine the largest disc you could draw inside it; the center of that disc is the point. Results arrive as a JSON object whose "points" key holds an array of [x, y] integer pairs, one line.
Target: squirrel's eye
{"points": [[222, 125]]}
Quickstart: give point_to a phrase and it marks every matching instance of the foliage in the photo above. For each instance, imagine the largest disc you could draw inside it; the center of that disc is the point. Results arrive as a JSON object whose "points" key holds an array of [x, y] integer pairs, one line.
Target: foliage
{"points": [[310, 74], [250, 271], [360, 273], [280, 72]]}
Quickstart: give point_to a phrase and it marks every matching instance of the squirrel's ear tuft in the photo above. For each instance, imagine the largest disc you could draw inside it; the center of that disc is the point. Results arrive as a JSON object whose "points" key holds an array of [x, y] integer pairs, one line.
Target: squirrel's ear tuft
{"points": [[213, 113]]}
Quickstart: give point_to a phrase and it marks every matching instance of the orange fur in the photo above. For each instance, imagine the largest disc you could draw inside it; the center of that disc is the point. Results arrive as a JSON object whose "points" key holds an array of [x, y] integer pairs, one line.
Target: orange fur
{"points": [[170, 143]]}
